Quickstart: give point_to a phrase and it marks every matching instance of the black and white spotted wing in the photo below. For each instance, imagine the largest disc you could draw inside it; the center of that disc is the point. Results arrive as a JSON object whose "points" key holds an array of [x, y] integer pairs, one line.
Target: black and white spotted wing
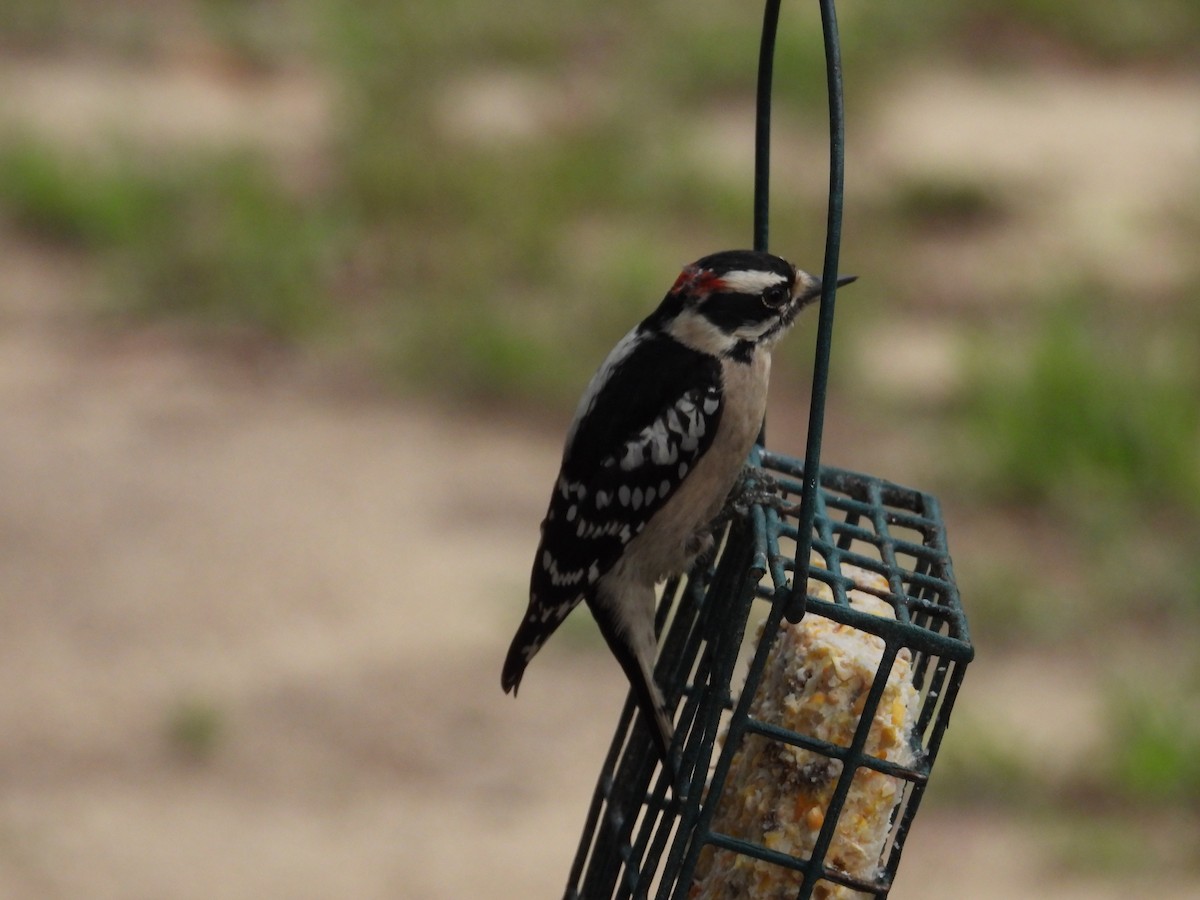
{"points": [[650, 415]]}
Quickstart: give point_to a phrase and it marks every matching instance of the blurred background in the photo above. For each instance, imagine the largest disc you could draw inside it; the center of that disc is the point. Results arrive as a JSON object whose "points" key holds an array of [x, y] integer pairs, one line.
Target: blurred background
{"points": [[295, 301]]}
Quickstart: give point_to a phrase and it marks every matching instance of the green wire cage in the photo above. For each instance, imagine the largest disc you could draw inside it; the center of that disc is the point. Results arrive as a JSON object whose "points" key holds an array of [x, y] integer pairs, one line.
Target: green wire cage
{"points": [[648, 834]]}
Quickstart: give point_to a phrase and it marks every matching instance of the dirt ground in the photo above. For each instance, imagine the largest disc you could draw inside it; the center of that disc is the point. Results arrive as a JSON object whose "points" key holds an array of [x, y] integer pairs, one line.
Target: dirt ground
{"points": [[333, 576]]}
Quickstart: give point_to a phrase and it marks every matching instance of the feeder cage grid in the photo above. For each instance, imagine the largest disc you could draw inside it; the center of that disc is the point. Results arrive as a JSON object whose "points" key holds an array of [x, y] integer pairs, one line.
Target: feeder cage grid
{"points": [[640, 840]]}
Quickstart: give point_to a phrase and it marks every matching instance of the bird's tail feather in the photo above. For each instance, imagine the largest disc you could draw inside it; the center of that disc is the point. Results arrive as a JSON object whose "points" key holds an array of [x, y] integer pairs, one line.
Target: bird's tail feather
{"points": [[535, 629], [639, 669]]}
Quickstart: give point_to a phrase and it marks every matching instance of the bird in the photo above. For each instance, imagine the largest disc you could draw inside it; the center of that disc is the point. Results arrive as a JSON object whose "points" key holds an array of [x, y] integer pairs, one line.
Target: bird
{"points": [[658, 442]]}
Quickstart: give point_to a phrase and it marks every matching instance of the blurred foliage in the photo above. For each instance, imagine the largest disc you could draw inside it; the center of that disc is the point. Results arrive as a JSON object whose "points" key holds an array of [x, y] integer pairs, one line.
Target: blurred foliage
{"points": [[947, 204], [55, 198], [1104, 32], [195, 728], [33, 25], [1010, 609], [563, 204], [1155, 756], [217, 239], [1084, 431], [231, 247], [986, 766], [1091, 410], [1128, 854]]}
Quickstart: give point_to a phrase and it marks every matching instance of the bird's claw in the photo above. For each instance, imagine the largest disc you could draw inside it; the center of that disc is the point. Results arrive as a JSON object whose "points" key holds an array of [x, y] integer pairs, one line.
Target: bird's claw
{"points": [[754, 487]]}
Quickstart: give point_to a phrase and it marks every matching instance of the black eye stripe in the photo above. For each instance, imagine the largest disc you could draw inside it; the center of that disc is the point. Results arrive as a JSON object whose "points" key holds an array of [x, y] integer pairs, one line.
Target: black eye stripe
{"points": [[731, 311]]}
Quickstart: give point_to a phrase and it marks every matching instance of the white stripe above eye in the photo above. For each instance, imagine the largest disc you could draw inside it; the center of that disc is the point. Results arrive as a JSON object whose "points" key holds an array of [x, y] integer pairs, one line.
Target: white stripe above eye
{"points": [[751, 281]]}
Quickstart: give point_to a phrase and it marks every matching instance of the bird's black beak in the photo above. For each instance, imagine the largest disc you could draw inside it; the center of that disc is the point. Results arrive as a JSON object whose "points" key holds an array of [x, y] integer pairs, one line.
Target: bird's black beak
{"points": [[815, 291]]}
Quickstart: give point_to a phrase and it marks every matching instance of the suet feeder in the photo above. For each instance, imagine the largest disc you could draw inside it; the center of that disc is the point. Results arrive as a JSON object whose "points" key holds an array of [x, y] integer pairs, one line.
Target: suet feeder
{"points": [[842, 612]]}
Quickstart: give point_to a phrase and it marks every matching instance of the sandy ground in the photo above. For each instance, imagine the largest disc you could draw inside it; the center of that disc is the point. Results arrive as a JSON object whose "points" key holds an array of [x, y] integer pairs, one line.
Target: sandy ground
{"points": [[335, 576]]}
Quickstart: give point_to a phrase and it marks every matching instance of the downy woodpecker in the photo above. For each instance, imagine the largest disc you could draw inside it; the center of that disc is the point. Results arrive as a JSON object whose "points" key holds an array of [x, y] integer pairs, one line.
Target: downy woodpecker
{"points": [[659, 440]]}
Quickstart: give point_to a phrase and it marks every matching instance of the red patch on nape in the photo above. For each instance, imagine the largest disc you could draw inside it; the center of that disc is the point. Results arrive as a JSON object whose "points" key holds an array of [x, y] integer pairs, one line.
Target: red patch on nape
{"points": [[684, 281], [697, 281], [708, 283]]}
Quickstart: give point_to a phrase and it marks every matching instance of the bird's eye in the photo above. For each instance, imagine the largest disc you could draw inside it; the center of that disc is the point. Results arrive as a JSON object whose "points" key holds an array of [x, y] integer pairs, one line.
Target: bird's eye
{"points": [[775, 297]]}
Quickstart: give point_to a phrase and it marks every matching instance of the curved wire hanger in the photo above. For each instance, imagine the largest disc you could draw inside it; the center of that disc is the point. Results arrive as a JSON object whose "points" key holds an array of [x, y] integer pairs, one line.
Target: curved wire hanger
{"points": [[794, 609]]}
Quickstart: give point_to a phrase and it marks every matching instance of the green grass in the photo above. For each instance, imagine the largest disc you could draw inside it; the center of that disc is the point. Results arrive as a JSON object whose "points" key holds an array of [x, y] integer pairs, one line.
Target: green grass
{"points": [[214, 239], [53, 197], [232, 247], [35, 25], [256, 33], [195, 728], [1110, 848], [985, 766], [484, 232], [947, 203], [1091, 425], [1149, 758], [1154, 31], [1010, 609], [1154, 755], [1091, 413]]}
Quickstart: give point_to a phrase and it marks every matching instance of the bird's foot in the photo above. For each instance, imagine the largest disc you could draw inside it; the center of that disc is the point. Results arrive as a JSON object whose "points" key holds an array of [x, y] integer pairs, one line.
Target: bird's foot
{"points": [[755, 487]]}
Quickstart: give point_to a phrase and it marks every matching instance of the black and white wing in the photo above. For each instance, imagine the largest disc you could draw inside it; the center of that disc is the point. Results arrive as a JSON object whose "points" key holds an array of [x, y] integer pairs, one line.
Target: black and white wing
{"points": [[650, 414]]}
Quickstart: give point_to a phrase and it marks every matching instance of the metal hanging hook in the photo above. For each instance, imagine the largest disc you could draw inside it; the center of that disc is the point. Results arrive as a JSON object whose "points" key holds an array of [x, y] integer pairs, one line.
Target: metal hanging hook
{"points": [[796, 600]]}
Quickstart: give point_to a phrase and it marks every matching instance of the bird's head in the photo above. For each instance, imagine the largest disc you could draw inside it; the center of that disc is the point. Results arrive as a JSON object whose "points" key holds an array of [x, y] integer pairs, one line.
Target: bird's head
{"points": [[734, 301]]}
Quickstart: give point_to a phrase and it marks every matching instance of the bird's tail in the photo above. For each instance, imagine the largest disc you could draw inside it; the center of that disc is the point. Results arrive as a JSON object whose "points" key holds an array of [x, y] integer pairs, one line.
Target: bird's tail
{"points": [[634, 647], [535, 629]]}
